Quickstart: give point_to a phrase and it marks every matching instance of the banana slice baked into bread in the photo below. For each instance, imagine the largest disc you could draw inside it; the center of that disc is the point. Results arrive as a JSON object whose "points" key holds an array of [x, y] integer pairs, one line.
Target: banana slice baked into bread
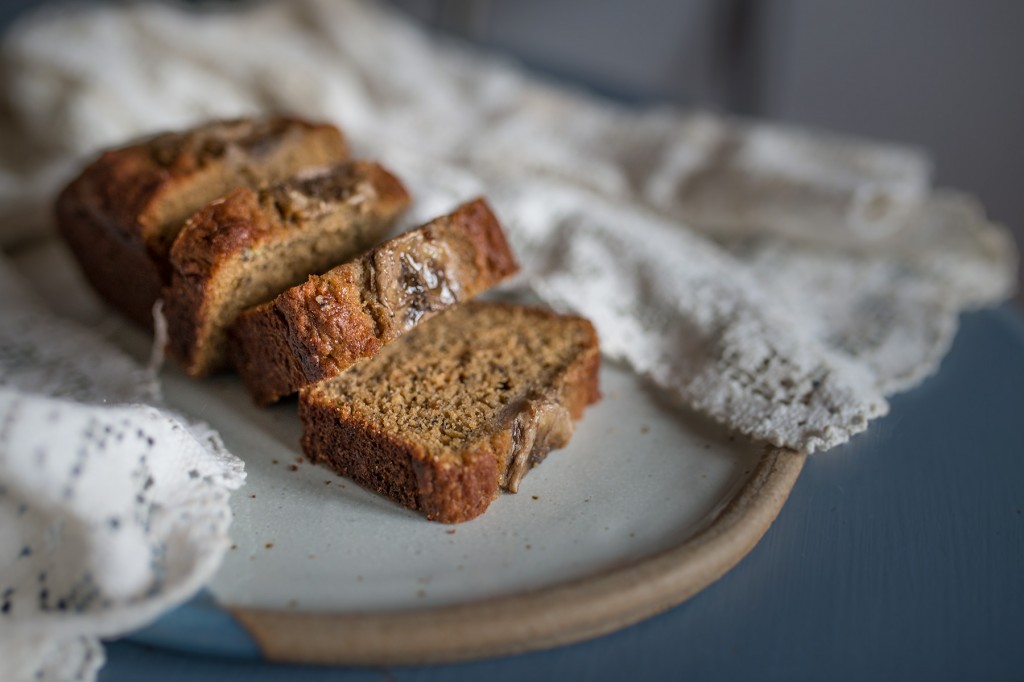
{"points": [[457, 409], [318, 329], [121, 215], [251, 245]]}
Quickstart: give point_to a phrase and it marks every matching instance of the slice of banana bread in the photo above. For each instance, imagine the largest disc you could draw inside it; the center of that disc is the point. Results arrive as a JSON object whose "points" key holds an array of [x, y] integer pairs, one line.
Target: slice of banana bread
{"points": [[318, 329], [121, 215], [457, 409], [251, 245]]}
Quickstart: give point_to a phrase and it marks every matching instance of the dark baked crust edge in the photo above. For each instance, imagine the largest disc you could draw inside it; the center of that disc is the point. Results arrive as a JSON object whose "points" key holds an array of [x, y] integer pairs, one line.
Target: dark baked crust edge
{"points": [[115, 263], [219, 234], [441, 490], [268, 343], [273, 366], [104, 216], [194, 269], [495, 260]]}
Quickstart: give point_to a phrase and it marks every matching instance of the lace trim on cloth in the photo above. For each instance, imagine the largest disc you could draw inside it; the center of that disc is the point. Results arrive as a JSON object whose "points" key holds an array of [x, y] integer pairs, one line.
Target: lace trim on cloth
{"points": [[111, 511], [51, 659], [687, 315]]}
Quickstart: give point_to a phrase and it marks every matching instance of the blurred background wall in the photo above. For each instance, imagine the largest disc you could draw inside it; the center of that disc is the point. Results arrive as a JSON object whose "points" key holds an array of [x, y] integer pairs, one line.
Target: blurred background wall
{"points": [[944, 75]]}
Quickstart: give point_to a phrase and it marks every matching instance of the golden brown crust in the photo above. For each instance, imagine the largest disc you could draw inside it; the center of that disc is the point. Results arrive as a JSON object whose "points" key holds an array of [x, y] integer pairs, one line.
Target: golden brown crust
{"points": [[306, 223], [457, 486], [225, 228], [490, 248], [316, 330], [220, 227], [268, 344], [132, 201]]}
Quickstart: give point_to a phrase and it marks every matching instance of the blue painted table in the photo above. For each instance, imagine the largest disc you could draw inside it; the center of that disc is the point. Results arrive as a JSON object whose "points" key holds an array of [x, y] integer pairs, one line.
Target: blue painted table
{"points": [[899, 556]]}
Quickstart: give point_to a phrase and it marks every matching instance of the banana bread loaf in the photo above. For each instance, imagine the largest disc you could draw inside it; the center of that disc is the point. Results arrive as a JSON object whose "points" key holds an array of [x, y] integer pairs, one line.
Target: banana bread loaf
{"points": [[251, 245], [123, 212], [457, 409], [318, 329]]}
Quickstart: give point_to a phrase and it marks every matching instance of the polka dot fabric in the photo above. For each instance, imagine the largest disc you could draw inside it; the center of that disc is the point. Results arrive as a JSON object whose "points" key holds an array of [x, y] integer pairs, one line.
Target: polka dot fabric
{"points": [[112, 510]]}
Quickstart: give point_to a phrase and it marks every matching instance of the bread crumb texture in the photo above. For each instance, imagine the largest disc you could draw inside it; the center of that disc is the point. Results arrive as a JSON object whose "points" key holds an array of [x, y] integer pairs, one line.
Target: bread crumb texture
{"points": [[460, 407]]}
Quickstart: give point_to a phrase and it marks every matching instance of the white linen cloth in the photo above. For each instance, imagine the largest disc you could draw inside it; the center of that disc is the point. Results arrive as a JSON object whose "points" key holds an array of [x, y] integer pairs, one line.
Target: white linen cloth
{"points": [[112, 508], [780, 281]]}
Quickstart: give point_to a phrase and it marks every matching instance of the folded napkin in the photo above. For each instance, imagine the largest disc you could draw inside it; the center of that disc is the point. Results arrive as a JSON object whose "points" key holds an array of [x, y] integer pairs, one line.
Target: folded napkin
{"points": [[780, 281]]}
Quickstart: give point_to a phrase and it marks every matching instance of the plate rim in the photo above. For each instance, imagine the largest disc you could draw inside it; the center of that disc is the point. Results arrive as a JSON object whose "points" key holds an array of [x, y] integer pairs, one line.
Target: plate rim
{"points": [[560, 614], [553, 616]]}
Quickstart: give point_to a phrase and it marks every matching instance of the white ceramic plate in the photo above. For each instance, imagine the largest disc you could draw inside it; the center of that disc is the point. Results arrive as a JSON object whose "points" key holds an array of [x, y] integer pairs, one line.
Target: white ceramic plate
{"points": [[647, 505]]}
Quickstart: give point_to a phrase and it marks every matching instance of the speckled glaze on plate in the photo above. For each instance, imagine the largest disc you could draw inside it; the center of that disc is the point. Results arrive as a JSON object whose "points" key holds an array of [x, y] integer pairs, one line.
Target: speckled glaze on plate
{"points": [[647, 505]]}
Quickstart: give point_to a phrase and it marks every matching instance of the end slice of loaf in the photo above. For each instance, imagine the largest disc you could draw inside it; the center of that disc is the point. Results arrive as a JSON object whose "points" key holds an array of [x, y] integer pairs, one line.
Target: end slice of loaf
{"points": [[320, 328], [458, 409], [251, 245], [121, 215]]}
